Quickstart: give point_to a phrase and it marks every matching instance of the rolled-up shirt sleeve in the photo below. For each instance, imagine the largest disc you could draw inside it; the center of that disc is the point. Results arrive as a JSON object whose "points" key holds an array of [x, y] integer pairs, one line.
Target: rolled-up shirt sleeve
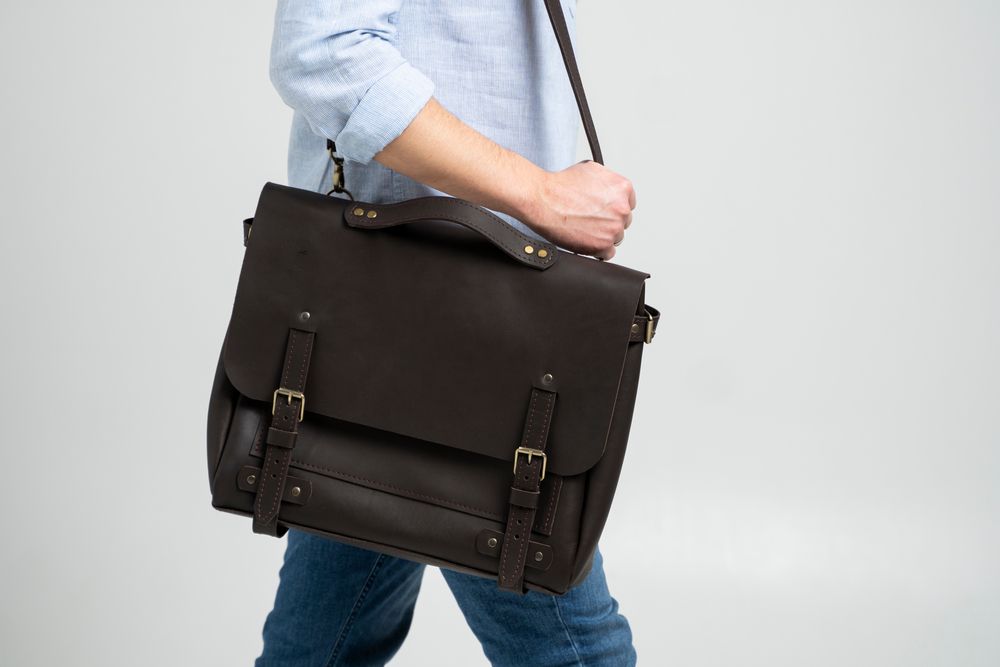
{"points": [[336, 64]]}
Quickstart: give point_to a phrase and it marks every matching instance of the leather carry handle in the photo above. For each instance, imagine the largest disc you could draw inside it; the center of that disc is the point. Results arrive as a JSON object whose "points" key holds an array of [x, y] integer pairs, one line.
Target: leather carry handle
{"points": [[526, 250]]}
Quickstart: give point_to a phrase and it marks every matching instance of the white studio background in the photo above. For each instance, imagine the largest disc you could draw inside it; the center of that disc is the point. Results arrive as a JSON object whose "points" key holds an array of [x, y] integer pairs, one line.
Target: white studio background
{"points": [[812, 476]]}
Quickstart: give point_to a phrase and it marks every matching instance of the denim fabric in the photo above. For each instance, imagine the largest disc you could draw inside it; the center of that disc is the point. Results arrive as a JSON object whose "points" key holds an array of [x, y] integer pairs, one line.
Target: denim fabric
{"points": [[358, 71], [341, 605]]}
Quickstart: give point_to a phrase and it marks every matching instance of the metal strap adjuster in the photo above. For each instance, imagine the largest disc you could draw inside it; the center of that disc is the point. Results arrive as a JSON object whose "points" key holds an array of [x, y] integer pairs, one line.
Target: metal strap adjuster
{"points": [[649, 327], [531, 452], [290, 394]]}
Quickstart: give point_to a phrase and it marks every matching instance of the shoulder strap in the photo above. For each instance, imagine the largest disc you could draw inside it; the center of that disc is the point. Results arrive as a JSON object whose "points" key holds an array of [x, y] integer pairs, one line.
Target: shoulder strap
{"points": [[558, 20]]}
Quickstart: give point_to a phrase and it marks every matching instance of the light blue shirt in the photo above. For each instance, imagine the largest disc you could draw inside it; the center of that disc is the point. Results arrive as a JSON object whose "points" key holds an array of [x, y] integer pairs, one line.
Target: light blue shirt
{"points": [[358, 71]]}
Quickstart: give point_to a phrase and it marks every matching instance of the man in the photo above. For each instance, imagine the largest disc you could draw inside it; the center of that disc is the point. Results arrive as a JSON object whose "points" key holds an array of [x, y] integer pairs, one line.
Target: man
{"points": [[429, 97]]}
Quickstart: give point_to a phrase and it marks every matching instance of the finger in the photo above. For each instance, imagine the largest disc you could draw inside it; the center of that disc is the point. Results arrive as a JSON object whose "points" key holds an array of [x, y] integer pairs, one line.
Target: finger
{"points": [[631, 196], [620, 238], [628, 220], [605, 254]]}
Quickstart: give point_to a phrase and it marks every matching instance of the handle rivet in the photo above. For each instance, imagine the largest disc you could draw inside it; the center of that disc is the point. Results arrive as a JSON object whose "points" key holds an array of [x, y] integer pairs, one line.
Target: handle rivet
{"points": [[635, 328], [304, 315], [296, 492], [359, 211], [372, 214], [251, 479], [538, 556], [543, 253], [491, 543], [529, 249], [547, 378]]}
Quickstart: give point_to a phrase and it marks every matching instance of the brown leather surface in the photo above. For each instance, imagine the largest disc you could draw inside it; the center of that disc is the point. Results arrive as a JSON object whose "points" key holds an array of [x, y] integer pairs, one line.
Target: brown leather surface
{"points": [[402, 466], [406, 527], [222, 404], [433, 321], [429, 339], [435, 531], [602, 479]]}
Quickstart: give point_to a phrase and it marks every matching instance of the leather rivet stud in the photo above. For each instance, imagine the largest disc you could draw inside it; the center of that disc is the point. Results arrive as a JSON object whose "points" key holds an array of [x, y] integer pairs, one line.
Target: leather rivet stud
{"points": [[372, 214], [547, 378], [543, 252], [251, 479], [529, 249], [491, 543], [296, 492], [538, 556], [304, 315], [359, 211], [635, 328]]}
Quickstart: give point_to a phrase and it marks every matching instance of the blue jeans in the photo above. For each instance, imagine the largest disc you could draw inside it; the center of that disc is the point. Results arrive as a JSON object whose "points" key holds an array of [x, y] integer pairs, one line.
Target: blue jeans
{"points": [[341, 605]]}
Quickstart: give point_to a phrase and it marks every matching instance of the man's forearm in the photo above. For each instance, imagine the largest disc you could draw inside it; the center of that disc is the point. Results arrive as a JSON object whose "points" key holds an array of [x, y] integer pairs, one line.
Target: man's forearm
{"points": [[441, 151], [584, 208]]}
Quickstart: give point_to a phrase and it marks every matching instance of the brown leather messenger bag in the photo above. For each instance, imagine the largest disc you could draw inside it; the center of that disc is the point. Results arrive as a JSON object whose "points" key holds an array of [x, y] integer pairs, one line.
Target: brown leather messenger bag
{"points": [[423, 380]]}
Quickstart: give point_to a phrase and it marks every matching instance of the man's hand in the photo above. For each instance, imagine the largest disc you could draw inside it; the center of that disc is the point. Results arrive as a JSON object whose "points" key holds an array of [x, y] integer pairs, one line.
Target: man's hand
{"points": [[585, 208]]}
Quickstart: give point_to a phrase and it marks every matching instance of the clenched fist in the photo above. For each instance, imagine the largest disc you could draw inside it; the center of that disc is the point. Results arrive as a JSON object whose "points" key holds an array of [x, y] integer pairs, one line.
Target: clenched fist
{"points": [[585, 208]]}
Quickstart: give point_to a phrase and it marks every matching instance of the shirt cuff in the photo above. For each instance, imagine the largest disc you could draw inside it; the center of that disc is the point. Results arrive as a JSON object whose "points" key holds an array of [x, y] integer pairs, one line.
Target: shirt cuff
{"points": [[384, 111]]}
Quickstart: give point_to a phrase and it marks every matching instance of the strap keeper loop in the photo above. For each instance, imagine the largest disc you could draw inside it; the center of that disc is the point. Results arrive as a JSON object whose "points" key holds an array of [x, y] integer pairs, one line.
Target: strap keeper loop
{"points": [[523, 498]]}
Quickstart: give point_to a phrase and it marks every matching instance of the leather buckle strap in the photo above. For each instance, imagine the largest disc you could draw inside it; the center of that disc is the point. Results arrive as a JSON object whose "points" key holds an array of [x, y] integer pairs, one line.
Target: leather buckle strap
{"points": [[530, 461], [644, 326], [282, 432]]}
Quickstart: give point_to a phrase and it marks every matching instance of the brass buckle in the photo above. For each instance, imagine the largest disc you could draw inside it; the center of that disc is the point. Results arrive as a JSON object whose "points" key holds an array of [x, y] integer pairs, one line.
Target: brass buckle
{"points": [[531, 452], [649, 327], [290, 393]]}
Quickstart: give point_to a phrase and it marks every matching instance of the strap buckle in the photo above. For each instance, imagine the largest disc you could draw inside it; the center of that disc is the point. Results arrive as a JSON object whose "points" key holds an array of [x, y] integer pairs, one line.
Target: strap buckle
{"points": [[290, 394], [650, 329], [531, 452]]}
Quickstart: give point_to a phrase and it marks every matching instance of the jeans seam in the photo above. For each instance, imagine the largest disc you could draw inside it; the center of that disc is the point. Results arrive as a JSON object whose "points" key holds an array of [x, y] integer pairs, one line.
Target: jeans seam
{"points": [[569, 635], [352, 617]]}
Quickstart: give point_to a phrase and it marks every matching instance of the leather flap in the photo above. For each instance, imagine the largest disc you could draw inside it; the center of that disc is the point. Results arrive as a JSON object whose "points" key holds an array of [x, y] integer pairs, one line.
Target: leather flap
{"points": [[429, 331]]}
